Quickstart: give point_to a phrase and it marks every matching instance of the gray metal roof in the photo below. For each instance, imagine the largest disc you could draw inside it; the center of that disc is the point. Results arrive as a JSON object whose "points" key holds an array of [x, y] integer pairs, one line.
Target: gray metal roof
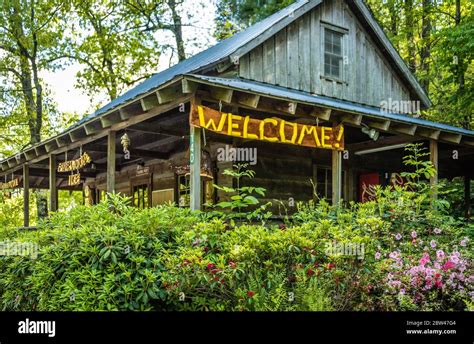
{"points": [[308, 98], [208, 57]]}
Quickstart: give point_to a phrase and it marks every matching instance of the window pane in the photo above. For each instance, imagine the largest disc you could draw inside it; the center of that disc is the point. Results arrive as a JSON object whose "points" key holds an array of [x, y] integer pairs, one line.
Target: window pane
{"points": [[332, 53]]}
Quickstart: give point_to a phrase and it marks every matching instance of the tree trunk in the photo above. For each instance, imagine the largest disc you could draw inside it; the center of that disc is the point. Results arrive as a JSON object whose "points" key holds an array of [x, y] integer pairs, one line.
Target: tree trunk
{"points": [[177, 29], [426, 43], [410, 37]]}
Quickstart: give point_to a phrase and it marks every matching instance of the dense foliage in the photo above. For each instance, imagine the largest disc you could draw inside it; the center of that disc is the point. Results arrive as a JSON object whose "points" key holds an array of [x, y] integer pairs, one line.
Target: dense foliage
{"points": [[116, 257]]}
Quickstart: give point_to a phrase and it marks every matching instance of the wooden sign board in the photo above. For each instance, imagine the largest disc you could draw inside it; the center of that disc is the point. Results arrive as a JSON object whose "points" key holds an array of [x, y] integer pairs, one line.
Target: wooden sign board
{"points": [[74, 179], [74, 165], [269, 129], [10, 185]]}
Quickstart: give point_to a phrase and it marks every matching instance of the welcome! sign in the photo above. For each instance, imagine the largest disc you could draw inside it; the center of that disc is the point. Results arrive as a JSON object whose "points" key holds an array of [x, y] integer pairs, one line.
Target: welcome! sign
{"points": [[269, 129]]}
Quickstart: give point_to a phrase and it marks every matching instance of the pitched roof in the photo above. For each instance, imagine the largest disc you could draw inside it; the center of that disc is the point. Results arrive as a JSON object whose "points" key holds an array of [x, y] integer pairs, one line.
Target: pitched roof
{"points": [[211, 56], [332, 103]]}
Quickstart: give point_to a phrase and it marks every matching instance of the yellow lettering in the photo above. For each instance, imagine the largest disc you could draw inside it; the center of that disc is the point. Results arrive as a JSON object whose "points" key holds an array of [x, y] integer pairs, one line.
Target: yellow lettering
{"points": [[202, 121], [272, 121], [337, 141], [246, 133], [231, 126], [324, 137], [282, 132], [308, 130]]}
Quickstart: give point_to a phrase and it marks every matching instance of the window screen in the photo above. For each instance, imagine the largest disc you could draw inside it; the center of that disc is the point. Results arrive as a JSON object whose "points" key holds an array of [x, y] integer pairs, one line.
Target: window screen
{"points": [[332, 53]]}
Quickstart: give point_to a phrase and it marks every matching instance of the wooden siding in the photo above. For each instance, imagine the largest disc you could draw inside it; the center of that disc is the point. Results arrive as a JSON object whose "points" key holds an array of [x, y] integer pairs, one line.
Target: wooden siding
{"points": [[294, 58]]}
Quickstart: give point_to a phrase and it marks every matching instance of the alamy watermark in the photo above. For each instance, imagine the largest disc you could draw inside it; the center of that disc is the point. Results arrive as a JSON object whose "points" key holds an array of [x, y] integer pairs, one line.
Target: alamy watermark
{"points": [[14, 248], [345, 249], [240, 154], [400, 106]]}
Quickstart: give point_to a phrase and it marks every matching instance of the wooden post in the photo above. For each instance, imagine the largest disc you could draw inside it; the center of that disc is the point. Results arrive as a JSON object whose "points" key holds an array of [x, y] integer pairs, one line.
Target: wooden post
{"points": [[111, 162], [336, 176], [195, 168], [434, 161], [467, 196], [53, 189], [26, 196]]}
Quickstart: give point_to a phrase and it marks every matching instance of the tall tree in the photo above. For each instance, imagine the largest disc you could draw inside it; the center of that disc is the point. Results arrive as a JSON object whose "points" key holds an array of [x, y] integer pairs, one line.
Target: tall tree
{"points": [[29, 39], [115, 55]]}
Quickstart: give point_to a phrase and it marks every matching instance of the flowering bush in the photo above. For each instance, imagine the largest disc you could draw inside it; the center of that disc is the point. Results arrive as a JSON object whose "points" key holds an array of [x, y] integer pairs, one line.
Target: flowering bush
{"points": [[116, 257]]}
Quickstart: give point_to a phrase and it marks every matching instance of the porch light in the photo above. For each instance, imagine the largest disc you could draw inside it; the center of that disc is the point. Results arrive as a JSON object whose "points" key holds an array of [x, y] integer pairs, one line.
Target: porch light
{"points": [[372, 133]]}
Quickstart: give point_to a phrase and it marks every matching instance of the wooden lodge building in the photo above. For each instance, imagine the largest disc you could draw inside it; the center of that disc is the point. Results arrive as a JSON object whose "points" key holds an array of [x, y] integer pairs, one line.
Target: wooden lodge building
{"points": [[317, 89]]}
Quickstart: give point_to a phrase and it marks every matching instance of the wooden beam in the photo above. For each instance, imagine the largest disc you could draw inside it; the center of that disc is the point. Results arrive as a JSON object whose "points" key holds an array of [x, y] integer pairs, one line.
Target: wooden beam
{"points": [[50, 146], [26, 196], [11, 162], [93, 127], [220, 93], [383, 125], [30, 154], [355, 119], [405, 129], [53, 189], [289, 107], [110, 119], [322, 113], [124, 114], [169, 94], [428, 133], [450, 137], [249, 99], [63, 140], [467, 141], [336, 176], [195, 168], [77, 134], [40, 150], [111, 162], [381, 142], [142, 153], [434, 161], [119, 126], [149, 102], [189, 86]]}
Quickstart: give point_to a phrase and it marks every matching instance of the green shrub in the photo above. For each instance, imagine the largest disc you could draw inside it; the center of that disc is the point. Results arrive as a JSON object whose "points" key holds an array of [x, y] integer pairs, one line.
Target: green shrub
{"points": [[116, 257]]}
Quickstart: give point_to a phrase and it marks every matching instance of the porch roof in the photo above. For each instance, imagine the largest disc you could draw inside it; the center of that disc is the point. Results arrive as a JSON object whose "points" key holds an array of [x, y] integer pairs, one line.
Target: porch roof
{"points": [[332, 103]]}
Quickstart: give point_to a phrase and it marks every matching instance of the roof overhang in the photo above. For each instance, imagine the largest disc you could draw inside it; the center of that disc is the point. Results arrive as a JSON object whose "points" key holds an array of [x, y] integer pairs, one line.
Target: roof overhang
{"points": [[357, 113]]}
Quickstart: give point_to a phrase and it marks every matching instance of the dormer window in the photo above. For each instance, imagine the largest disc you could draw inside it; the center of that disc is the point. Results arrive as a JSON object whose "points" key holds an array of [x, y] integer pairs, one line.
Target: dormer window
{"points": [[332, 53]]}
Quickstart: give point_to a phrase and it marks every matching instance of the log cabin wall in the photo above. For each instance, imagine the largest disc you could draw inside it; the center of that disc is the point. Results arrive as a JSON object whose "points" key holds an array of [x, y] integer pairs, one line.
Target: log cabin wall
{"points": [[294, 58]]}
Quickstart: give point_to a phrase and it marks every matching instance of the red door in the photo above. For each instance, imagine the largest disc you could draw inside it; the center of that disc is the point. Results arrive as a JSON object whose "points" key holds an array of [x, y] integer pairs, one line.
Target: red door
{"points": [[366, 186]]}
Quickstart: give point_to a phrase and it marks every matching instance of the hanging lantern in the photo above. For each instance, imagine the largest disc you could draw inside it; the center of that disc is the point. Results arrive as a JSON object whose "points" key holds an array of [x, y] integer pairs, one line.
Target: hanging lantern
{"points": [[125, 141]]}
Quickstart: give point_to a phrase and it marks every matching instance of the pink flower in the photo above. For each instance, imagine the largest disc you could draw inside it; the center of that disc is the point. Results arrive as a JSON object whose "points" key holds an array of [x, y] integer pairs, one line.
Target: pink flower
{"points": [[439, 284], [413, 234], [440, 254], [448, 265], [378, 255], [394, 255], [433, 243], [463, 243], [437, 231], [398, 236]]}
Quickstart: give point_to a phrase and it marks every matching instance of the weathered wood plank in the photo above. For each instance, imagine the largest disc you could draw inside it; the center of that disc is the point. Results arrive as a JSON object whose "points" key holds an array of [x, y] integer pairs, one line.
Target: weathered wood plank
{"points": [[26, 195], [269, 61], [304, 53], [53, 190], [292, 63], [256, 64], [111, 161]]}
